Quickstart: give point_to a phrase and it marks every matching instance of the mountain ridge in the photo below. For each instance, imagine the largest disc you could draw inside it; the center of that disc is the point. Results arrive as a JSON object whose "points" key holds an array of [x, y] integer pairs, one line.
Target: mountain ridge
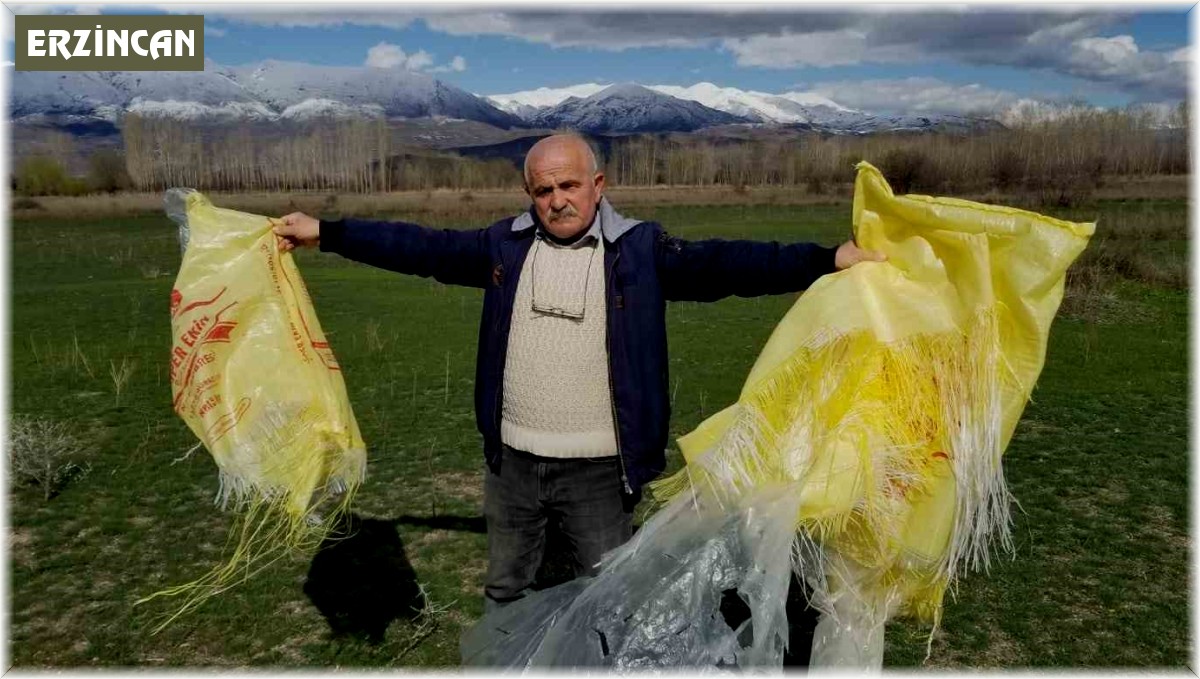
{"points": [[267, 90], [282, 91]]}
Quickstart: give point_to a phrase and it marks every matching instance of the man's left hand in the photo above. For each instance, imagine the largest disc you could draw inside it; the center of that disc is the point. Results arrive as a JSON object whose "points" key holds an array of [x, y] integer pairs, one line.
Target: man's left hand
{"points": [[848, 254]]}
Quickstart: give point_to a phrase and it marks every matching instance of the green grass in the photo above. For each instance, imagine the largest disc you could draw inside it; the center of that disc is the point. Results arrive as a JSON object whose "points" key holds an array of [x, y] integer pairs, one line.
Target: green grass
{"points": [[1099, 462]]}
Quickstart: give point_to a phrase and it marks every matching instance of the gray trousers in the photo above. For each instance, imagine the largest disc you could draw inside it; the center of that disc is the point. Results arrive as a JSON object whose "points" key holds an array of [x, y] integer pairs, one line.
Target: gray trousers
{"points": [[582, 496]]}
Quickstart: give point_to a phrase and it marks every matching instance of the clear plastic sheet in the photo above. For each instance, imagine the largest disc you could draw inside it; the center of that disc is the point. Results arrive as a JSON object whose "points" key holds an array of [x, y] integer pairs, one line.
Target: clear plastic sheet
{"points": [[666, 599], [175, 205]]}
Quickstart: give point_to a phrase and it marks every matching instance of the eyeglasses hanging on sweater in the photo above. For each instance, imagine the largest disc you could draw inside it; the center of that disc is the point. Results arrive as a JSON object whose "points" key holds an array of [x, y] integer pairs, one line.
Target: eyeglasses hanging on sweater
{"points": [[560, 284]]}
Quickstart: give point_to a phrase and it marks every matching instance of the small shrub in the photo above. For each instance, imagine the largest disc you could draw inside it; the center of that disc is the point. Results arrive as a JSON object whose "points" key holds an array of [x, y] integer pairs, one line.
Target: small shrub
{"points": [[1005, 169], [46, 453], [909, 169], [42, 176], [25, 203], [106, 171], [1061, 190], [814, 185], [1088, 290]]}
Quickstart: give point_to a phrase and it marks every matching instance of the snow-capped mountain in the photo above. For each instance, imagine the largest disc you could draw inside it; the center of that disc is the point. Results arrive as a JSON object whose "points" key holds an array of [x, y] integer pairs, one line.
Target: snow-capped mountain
{"points": [[526, 104], [802, 109], [631, 108], [790, 107], [396, 92], [271, 90], [278, 91]]}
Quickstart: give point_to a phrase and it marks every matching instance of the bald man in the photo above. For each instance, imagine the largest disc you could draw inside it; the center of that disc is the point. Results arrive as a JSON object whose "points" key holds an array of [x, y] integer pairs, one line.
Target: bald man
{"points": [[571, 375]]}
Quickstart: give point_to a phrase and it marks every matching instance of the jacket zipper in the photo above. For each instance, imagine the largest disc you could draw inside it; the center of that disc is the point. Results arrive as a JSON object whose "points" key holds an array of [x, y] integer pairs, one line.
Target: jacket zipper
{"points": [[498, 416], [612, 397]]}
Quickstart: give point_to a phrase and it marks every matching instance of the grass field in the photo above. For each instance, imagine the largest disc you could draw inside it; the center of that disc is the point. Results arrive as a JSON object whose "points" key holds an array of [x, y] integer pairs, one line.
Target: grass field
{"points": [[1099, 462]]}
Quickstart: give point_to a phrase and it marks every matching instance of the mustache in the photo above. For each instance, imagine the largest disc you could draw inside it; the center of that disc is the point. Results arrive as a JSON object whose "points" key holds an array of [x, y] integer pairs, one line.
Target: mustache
{"points": [[568, 211]]}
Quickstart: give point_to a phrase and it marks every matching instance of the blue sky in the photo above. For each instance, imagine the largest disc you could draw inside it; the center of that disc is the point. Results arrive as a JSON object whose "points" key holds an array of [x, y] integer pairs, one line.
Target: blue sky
{"points": [[1107, 56]]}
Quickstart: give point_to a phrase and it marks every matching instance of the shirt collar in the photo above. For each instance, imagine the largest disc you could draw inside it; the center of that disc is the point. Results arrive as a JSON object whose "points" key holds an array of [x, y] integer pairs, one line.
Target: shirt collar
{"points": [[590, 236], [613, 224]]}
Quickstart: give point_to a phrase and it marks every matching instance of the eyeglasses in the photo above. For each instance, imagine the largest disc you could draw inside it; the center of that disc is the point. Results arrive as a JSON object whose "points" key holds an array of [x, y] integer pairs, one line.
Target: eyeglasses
{"points": [[575, 313]]}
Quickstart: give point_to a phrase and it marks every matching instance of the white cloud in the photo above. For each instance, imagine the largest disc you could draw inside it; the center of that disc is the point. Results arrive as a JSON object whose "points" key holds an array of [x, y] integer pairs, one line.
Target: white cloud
{"points": [[829, 48], [1118, 60], [918, 95], [387, 55], [1112, 51], [456, 65], [610, 31], [213, 31], [419, 61], [822, 48], [475, 23]]}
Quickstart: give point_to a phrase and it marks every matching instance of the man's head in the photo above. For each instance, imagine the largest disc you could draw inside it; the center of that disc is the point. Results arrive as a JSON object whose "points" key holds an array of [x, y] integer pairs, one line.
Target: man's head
{"points": [[564, 181]]}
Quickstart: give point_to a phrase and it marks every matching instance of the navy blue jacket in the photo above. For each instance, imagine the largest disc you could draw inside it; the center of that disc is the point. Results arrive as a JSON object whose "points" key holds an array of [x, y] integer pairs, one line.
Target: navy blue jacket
{"points": [[644, 267]]}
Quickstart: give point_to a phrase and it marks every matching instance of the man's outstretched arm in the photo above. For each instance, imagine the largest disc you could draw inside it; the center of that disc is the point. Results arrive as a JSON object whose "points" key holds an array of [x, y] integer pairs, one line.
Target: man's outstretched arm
{"points": [[449, 256], [708, 270]]}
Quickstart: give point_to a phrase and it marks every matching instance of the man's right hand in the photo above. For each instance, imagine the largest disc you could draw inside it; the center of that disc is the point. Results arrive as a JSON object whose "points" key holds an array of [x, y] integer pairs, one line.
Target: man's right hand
{"points": [[296, 229]]}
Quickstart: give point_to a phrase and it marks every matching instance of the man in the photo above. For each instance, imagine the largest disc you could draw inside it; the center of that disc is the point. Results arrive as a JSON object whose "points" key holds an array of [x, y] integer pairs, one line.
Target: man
{"points": [[571, 376]]}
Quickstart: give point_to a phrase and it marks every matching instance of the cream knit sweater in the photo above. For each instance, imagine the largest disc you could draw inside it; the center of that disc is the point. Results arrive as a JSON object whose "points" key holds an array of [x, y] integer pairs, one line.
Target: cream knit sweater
{"points": [[557, 400]]}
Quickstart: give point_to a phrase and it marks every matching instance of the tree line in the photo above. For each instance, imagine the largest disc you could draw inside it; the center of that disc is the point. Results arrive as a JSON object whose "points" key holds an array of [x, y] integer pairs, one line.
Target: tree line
{"points": [[347, 156], [1080, 148], [1054, 156]]}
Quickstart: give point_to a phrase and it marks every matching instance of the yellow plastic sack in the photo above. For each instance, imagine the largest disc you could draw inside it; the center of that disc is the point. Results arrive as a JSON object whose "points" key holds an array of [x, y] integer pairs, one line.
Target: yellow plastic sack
{"points": [[887, 395], [864, 454], [254, 378]]}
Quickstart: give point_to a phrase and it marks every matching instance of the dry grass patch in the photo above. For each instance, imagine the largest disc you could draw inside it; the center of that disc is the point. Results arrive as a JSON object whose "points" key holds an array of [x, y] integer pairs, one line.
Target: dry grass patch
{"points": [[472, 573], [1088, 505], [1001, 651], [141, 521], [1160, 522], [1114, 493], [1098, 304], [20, 546], [465, 486], [436, 536]]}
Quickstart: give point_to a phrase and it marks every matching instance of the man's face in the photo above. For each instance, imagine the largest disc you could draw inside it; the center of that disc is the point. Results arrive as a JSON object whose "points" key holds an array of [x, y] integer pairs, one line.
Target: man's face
{"points": [[564, 189]]}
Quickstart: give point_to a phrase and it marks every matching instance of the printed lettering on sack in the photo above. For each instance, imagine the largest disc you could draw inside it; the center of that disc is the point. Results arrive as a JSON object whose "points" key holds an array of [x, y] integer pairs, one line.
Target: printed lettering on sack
{"points": [[302, 337], [192, 354]]}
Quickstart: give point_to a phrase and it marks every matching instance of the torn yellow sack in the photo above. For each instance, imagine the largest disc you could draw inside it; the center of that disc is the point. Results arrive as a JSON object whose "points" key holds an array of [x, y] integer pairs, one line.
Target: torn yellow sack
{"points": [[254, 378], [887, 396]]}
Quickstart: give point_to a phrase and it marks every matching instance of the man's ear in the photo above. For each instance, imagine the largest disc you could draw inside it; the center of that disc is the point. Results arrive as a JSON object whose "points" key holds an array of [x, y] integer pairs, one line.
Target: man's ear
{"points": [[599, 183]]}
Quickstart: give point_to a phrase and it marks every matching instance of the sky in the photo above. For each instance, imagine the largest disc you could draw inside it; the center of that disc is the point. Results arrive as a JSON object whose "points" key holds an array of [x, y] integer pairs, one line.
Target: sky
{"points": [[950, 58]]}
